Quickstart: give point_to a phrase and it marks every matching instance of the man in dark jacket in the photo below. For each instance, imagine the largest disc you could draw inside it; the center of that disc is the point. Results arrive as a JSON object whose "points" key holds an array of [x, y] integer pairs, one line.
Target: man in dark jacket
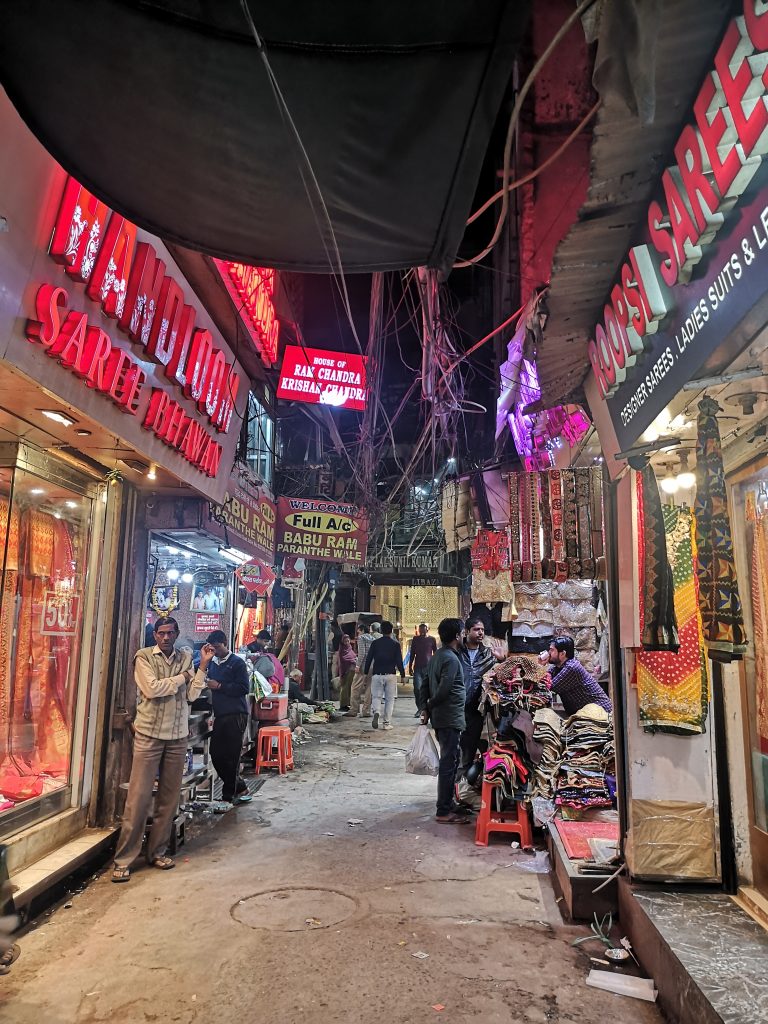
{"points": [[385, 658], [477, 656], [229, 684], [440, 699]]}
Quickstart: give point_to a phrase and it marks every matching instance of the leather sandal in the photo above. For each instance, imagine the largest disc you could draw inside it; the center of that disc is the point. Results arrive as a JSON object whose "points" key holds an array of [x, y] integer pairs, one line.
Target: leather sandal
{"points": [[120, 874], [163, 863]]}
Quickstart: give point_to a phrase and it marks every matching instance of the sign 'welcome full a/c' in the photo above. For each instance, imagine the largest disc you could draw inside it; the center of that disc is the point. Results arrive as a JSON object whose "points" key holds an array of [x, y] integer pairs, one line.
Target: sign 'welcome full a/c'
{"points": [[324, 530]]}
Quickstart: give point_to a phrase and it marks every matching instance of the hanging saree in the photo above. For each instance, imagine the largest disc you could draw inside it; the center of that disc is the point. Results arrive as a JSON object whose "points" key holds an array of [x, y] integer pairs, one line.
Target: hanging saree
{"points": [[673, 689], [659, 632], [759, 522], [719, 600]]}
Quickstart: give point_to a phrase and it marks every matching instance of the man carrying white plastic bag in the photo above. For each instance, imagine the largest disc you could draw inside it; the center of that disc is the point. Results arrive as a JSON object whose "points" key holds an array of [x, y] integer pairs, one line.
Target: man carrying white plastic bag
{"points": [[440, 698]]}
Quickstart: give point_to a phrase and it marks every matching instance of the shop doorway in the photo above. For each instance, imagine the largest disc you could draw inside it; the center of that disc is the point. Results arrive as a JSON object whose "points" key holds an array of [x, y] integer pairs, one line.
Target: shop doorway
{"points": [[190, 577]]}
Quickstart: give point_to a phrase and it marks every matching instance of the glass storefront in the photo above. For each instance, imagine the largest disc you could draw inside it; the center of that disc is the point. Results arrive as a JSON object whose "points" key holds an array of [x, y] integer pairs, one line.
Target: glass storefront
{"points": [[46, 518]]}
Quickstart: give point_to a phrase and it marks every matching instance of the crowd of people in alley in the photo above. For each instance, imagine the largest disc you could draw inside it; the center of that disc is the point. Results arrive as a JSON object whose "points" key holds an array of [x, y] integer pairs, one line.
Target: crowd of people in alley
{"points": [[447, 682]]}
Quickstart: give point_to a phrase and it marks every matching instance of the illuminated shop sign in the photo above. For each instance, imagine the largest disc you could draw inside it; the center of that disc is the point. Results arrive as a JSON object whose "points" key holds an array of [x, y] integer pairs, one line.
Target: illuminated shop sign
{"points": [[323, 530], [249, 516], [320, 377], [716, 157], [99, 248], [252, 290]]}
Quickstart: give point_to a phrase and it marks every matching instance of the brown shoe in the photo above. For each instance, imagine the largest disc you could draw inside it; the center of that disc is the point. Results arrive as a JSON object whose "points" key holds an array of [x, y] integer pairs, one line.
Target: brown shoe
{"points": [[451, 819]]}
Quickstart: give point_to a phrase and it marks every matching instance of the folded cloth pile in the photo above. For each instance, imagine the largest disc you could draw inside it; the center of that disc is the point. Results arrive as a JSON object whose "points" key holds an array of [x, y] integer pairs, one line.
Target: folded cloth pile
{"points": [[505, 769], [547, 729], [588, 757], [518, 683]]}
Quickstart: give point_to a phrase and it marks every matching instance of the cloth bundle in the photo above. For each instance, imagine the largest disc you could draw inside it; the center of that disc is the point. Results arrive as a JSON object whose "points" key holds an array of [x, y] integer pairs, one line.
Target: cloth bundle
{"points": [[589, 759], [517, 683], [505, 769], [547, 729]]}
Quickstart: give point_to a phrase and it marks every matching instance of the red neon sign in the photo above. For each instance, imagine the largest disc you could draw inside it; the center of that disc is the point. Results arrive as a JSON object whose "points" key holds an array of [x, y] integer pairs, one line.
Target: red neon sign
{"points": [[320, 377], [99, 249], [252, 290]]}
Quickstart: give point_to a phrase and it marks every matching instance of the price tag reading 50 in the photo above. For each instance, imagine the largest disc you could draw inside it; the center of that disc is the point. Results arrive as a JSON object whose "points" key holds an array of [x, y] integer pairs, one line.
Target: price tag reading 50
{"points": [[60, 613]]}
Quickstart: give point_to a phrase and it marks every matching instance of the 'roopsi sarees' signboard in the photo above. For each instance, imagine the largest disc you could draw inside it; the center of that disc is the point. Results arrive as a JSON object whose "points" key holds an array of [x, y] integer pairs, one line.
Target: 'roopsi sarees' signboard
{"points": [[327, 531], [700, 261]]}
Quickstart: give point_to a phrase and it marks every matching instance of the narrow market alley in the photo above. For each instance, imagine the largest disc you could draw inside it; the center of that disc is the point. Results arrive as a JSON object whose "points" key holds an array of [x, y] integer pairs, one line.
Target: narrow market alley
{"points": [[314, 903]]}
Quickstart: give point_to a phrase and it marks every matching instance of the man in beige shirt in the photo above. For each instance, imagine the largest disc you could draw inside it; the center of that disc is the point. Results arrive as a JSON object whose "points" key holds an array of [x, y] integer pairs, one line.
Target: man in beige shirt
{"points": [[166, 684]]}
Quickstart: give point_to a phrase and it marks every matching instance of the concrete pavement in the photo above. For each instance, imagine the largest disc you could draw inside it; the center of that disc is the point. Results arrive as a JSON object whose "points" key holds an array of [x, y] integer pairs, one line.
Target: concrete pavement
{"points": [[285, 912]]}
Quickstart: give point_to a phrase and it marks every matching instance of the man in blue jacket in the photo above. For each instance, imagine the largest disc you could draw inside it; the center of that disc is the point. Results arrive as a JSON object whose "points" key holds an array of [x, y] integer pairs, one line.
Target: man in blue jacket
{"points": [[229, 685]]}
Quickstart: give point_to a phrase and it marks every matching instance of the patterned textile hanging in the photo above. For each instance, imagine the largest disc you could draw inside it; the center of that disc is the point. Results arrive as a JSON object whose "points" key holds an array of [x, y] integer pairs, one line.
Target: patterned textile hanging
{"points": [[556, 525], [759, 521], [673, 689], [657, 590], [491, 573], [719, 599]]}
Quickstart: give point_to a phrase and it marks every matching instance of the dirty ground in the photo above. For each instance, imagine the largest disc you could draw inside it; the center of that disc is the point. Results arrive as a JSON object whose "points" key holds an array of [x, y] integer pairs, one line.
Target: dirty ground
{"points": [[286, 912]]}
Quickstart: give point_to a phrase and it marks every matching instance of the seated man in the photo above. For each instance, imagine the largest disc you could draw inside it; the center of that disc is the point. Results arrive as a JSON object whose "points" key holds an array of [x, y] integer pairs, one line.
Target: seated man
{"points": [[570, 680]]}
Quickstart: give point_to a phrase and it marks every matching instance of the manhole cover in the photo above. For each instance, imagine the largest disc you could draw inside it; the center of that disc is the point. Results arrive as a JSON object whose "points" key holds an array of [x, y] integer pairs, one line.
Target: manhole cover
{"points": [[294, 910]]}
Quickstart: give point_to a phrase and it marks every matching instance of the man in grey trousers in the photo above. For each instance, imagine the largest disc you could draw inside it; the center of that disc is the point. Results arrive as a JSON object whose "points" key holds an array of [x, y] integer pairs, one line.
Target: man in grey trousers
{"points": [[166, 684]]}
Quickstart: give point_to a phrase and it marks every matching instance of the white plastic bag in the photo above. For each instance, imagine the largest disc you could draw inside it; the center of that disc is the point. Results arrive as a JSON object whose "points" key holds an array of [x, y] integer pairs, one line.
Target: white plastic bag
{"points": [[260, 686], [422, 757]]}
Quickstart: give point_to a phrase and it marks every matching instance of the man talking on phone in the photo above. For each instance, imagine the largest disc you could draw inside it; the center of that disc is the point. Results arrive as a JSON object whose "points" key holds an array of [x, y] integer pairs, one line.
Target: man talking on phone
{"points": [[166, 684]]}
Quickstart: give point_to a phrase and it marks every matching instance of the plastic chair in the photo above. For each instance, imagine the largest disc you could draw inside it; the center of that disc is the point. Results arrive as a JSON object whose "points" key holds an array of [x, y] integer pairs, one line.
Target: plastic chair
{"points": [[514, 820], [283, 760]]}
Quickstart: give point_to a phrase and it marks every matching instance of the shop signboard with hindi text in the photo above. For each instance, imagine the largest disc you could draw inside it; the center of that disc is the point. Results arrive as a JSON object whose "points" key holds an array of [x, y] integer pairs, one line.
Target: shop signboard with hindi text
{"points": [[206, 622], [325, 531], [701, 261], [256, 577]]}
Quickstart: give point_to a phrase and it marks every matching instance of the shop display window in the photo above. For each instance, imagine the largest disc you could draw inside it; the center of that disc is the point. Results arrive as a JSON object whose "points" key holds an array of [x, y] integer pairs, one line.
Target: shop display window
{"points": [[44, 541]]}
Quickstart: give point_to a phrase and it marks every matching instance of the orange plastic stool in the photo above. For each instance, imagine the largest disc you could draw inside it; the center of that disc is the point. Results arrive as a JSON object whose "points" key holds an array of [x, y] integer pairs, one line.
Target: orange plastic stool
{"points": [[515, 821], [283, 761]]}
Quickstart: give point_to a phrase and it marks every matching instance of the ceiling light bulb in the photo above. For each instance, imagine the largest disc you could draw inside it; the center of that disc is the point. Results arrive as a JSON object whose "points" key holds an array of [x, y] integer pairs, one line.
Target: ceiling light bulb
{"points": [[187, 554], [187, 577], [669, 484], [172, 551], [58, 417], [686, 479], [37, 490], [71, 504], [152, 474], [173, 574]]}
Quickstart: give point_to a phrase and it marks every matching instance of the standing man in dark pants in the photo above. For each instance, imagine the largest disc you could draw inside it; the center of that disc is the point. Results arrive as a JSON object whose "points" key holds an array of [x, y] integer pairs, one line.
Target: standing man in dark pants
{"points": [[166, 684], [229, 684], [477, 657], [423, 647], [440, 698]]}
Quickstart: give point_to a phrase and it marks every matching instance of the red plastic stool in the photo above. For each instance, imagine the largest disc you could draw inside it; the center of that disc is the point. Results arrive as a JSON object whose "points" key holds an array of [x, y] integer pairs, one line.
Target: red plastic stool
{"points": [[515, 821], [283, 761]]}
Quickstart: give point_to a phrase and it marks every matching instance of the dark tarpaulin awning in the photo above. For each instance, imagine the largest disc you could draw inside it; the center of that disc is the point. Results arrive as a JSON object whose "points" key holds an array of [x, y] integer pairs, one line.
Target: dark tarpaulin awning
{"points": [[164, 110]]}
